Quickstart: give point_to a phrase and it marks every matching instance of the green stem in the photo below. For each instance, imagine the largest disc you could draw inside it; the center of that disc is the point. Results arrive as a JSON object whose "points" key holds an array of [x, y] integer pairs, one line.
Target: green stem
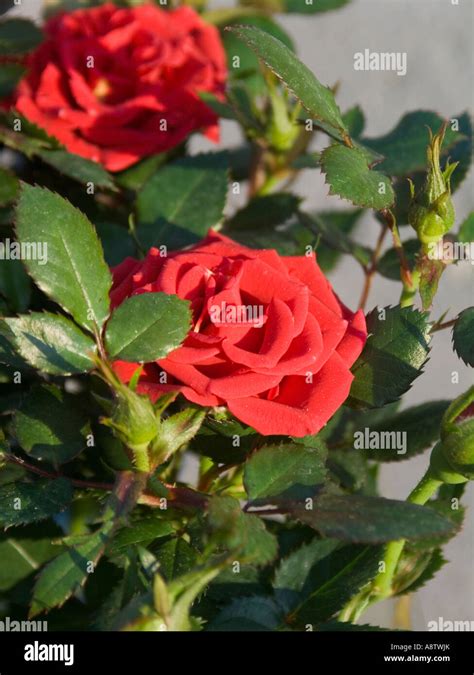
{"points": [[410, 279], [271, 182], [382, 586], [410, 290]]}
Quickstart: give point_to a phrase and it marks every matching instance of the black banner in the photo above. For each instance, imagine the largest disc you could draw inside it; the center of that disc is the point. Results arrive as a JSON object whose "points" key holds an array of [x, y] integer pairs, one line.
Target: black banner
{"points": [[380, 652]]}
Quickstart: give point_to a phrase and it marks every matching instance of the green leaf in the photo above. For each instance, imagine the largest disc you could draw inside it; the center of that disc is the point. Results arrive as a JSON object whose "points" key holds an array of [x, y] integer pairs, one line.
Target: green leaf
{"points": [[146, 327], [292, 573], [431, 271], [349, 176], [229, 586], [24, 549], [404, 148], [393, 356], [32, 131], [331, 227], [15, 285], [175, 431], [176, 557], [332, 581], [220, 448], [318, 100], [243, 534], [222, 110], [23, 503], [463, 336], [18, 36], [78, 168], [51, 426], [420, 426], [140, 532], [239, 162], [51, 343], [34, 142], [242, 62], [10, 75], [354, 119], [258, 613], [243, 106], [8, 351], [9, 186], [76, 275], [30, 142], [116, 242], [370, 520], [466, 229], [416, 568], [307, 160], [136, 176], [192, 195], [277, 469], [68, 572], [266, 211], [444, 507], [289, 240], [351, 471], [389, 264], [335, 228]]}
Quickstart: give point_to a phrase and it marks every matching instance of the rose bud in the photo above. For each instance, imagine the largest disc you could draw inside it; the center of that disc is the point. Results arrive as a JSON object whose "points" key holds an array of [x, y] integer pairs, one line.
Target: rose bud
{"points": [[282, 130], [431, 212], [135, 424], [452, 459]]}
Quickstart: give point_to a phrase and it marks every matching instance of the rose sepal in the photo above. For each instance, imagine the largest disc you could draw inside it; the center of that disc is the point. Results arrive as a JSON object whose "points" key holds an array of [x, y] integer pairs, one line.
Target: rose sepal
{"points": [[431, 212]]}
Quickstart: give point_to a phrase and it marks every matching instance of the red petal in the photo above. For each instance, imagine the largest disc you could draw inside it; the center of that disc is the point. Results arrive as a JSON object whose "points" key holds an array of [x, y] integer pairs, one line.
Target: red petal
{"points": [[301, 408], [354, 340]]}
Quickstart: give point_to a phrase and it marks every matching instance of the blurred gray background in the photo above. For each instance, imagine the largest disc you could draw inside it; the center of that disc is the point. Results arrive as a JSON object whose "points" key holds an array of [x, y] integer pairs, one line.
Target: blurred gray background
{"points": [[437, 37]]}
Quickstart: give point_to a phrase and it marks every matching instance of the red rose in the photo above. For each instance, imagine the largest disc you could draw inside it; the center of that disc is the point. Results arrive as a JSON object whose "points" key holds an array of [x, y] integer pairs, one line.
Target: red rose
{"points": [[107, 80], [270, 339]]}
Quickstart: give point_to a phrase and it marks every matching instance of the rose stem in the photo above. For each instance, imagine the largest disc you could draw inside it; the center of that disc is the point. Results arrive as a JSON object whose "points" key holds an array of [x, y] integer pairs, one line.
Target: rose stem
{"points": [[370, 270], [420, 495], [410, 280], [181, 497]]}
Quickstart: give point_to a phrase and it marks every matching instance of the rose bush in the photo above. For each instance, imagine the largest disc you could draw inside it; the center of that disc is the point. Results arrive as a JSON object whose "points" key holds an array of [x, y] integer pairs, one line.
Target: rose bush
{"points": [[167, 391], [118, 84], [287, 376]]}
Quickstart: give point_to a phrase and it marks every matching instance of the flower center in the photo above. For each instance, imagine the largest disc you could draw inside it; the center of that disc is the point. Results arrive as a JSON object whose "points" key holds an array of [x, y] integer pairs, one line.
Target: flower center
{"points": [[102, 89]]}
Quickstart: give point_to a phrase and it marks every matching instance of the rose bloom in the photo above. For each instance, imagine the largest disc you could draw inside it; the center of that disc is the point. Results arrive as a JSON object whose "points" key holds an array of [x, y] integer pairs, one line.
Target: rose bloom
{"points": [[282, 366], [106, 80]]}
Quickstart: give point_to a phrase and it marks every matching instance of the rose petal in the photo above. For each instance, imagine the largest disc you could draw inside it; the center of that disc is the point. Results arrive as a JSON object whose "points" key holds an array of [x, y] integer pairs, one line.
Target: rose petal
{"points": [[300, 408]]}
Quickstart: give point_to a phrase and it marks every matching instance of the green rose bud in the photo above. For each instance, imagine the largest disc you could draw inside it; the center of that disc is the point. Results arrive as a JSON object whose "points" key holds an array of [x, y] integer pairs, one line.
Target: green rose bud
{"points": [[431, 212], [452, 459], [440, 469], [282, 130], [458, 447], [134, 422]]}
